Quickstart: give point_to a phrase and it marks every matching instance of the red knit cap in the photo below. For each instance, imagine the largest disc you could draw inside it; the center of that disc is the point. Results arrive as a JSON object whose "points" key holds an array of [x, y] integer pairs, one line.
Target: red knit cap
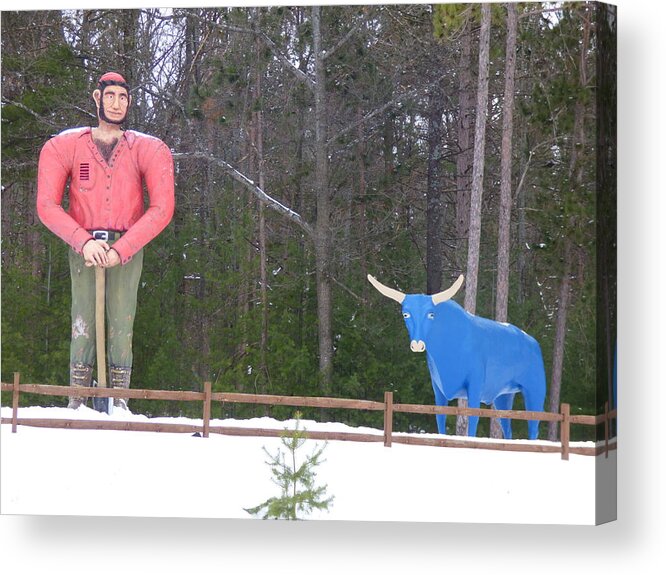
{"points": [[112, 77]]}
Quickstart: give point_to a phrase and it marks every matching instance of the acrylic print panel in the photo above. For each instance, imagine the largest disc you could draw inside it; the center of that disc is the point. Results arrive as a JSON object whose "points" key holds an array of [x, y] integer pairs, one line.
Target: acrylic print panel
{"points": [[314, 147]]}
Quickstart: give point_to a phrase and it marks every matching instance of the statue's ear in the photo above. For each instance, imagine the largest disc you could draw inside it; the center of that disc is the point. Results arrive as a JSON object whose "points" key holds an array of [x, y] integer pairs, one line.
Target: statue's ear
{"points": [[96, 96]]}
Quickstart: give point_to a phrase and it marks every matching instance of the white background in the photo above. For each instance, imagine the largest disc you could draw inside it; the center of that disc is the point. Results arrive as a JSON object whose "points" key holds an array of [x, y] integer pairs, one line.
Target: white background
{"points": [[633, 544]]}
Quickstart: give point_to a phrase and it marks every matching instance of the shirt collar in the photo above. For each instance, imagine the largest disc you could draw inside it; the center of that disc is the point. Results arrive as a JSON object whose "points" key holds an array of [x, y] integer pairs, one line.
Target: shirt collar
{"points": [[129, 135]]}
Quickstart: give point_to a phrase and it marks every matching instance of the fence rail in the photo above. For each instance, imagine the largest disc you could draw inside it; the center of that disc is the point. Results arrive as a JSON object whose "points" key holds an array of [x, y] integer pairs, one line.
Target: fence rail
{"points": [[564, 418]]}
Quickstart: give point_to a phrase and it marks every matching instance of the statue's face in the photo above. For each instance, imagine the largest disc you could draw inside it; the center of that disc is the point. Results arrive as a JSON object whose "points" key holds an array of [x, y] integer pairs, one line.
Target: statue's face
{"points": [[112, 104]]}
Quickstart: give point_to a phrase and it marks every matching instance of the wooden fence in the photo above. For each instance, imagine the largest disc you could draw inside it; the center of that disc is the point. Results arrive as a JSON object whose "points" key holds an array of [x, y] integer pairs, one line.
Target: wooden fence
{"points": [[564, 418]]}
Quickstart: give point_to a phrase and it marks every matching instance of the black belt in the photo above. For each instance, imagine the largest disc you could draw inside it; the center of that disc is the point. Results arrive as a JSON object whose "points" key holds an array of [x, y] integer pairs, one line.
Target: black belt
{"points": [[106, 235]]}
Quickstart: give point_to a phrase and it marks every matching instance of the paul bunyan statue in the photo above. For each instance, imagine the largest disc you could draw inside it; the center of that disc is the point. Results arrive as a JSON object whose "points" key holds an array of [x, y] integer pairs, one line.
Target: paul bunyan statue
{"points": [[106, 224]]}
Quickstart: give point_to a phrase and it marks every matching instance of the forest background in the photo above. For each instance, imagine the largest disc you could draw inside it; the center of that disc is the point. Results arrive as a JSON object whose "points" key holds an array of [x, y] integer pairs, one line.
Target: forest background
{"points": [[313, 146]]}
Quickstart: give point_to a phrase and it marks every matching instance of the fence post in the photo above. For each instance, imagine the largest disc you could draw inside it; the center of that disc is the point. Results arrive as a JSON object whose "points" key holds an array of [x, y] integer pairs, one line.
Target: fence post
{"points": [[206, 407], [388, 418], [565, 428], [606, 427], [15, 401]]}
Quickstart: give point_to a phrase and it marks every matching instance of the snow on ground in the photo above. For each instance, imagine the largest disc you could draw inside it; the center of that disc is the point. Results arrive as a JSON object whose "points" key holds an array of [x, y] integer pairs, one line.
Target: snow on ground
{"points": [[122, 473]]}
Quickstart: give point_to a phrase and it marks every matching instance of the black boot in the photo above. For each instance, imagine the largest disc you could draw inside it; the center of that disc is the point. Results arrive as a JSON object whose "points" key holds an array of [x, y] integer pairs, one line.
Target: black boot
{"points": [[120, 379], [80, 375]]}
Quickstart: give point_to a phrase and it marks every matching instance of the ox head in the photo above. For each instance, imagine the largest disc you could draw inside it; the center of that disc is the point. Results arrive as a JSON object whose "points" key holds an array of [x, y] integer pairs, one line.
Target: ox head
{"points": [[418, 310]]}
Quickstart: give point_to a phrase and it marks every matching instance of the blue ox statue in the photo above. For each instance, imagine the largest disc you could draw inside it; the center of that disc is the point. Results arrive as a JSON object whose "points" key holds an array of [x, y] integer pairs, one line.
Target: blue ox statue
{"points": [[472, 357]]}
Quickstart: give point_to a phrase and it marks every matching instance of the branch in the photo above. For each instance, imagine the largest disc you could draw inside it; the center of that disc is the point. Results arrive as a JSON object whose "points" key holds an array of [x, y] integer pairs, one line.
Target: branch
{"points": [[364, 119], [309, 82], [168, 96], [342, 42], [542, 11], [348, 290], [31, 112], [260, 194], [302, 76], [263, 197], [532, 152], [85, 112], [393, 102], [519, 187]]}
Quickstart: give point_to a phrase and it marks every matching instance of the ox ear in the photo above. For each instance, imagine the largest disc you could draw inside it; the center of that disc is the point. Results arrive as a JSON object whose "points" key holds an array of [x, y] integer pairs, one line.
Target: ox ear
{"points": [[387, 291], [449, 293]]}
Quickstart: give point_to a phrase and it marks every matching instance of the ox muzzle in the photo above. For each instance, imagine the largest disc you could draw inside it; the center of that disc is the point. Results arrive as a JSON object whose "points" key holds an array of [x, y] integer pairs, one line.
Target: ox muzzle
{"points": [[417, 346]]}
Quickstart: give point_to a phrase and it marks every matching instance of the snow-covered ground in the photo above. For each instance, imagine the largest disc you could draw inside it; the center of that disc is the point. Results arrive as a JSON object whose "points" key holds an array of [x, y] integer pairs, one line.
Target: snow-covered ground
{"points": [[123, 473]]}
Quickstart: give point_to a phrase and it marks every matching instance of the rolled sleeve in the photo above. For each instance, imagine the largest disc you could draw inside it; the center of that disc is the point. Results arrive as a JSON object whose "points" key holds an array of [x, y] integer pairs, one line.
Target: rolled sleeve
{"points": [[52, 177], [158, 174]]}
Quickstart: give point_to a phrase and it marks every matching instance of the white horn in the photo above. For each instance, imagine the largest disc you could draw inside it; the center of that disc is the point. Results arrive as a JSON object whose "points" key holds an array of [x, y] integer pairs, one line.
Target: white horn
{"points": [[449, 293], [387, 291]]}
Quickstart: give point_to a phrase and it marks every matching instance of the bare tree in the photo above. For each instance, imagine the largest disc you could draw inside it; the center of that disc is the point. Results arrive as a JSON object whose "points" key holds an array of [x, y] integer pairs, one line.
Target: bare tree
{"points": [[575, 179], [474, 244], [473, 250], [434, 193], [464, 158], [323, 223], [504, 233], [560, 335], [261, 172]]}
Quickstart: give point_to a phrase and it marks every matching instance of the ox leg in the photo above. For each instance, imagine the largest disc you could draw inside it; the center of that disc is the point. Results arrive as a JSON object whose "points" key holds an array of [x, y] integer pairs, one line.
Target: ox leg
{"points": [[533, 402], [504, 402], [440, 400], [473, 402]]}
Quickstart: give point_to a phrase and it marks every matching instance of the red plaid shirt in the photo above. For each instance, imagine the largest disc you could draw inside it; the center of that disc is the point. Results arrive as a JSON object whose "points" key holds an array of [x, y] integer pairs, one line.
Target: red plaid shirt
{"points": [[105, 196]]}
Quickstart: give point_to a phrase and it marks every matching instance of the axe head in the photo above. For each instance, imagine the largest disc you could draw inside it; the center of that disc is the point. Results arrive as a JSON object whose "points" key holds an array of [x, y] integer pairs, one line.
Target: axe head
{"points": [[102, 404]]}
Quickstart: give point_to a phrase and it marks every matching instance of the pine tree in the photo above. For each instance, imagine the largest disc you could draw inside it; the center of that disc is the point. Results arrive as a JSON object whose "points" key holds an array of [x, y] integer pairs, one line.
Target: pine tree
{"points": [[299, 495]]}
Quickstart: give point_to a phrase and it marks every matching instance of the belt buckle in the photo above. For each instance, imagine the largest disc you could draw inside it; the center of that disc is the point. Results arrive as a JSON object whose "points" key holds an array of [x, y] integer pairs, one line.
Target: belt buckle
{"points": [[101, 235]]}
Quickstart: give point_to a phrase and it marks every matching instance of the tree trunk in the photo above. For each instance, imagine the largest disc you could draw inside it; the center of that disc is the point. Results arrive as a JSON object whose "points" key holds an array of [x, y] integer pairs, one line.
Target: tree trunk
{"points": [[464, 159], [474, 244], [388, 130], [434, 194], [504, 235], [575, 176], [558, 351], [362, 192], [263, 273], [521, 194], [322, 227], [473, 250], [128, 55], [464, 162]]}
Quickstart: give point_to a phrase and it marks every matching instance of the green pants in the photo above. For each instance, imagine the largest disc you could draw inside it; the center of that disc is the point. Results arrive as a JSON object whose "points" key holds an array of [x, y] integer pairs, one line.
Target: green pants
{"points": [[122, 283]]}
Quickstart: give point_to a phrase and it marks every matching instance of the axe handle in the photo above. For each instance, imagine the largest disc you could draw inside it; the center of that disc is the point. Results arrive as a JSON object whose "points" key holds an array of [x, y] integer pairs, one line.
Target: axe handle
{"points": [[100, 308]]}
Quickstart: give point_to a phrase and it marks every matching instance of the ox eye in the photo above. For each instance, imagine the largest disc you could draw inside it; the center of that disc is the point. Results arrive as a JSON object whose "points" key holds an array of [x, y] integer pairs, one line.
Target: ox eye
{"points": [[406, 315], [431, 315]]}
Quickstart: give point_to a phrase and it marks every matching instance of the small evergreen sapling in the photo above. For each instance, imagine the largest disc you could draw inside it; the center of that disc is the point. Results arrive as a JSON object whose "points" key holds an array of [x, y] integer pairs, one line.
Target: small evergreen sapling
{"points": [[299, 495]]}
